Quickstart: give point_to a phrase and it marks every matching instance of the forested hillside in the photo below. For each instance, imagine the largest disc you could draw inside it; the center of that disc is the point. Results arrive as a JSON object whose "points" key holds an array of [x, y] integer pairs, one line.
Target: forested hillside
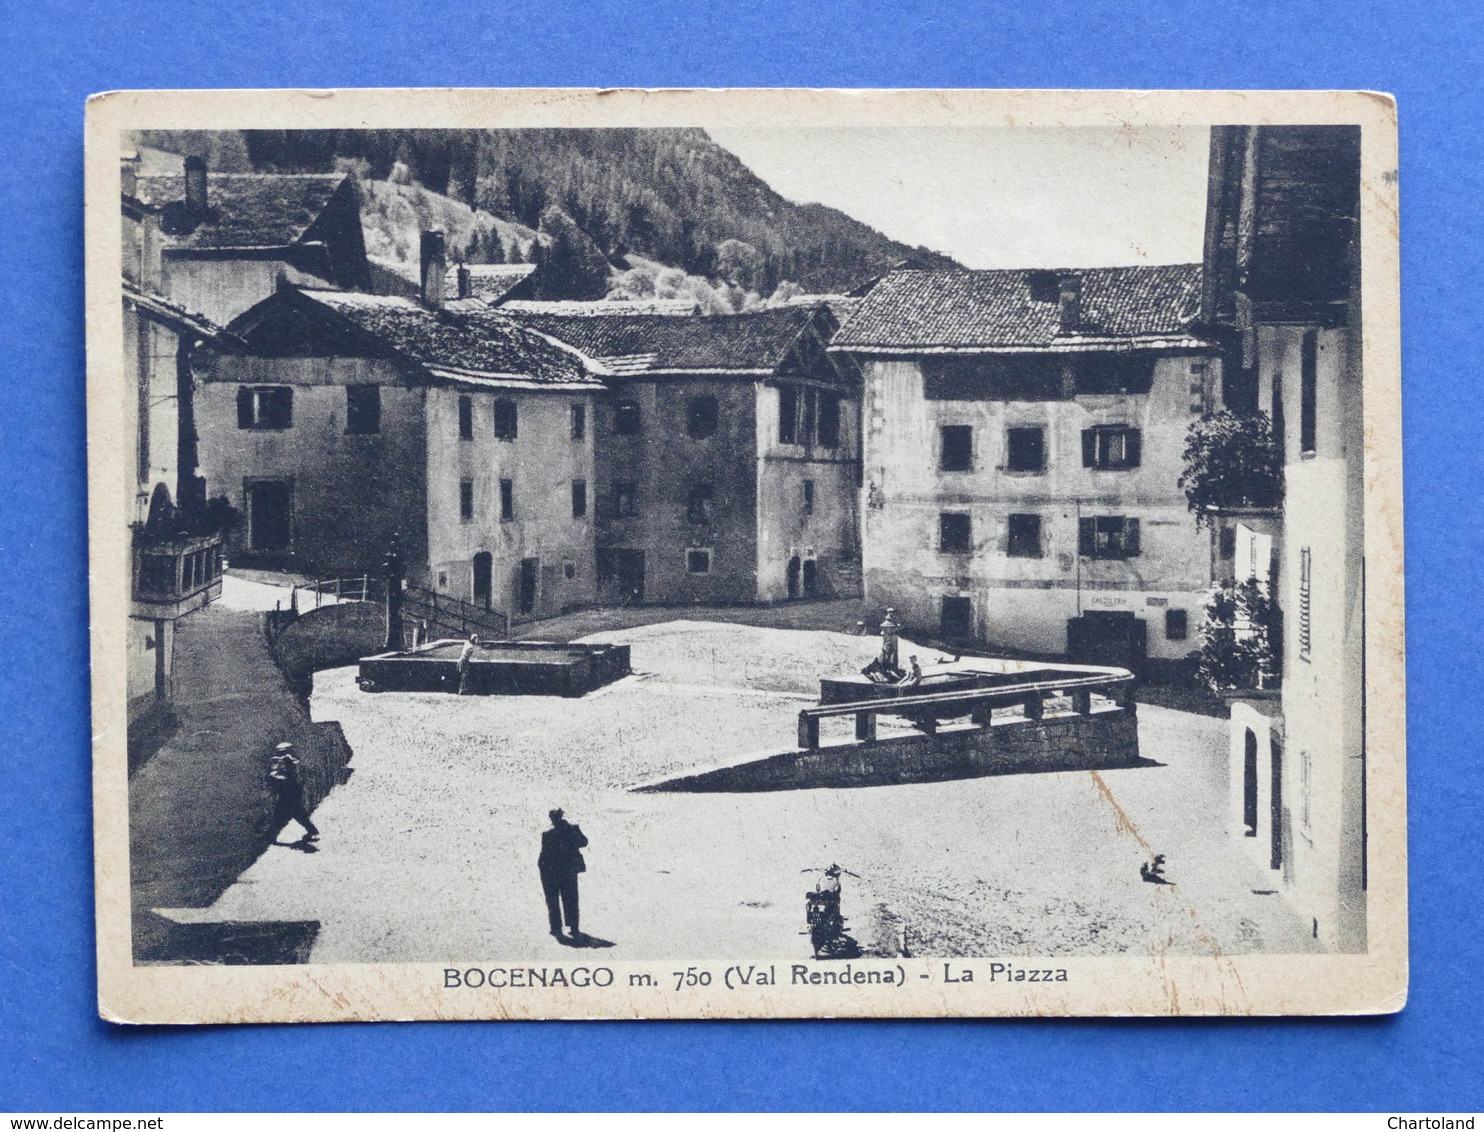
{"points": [[598, 196]]}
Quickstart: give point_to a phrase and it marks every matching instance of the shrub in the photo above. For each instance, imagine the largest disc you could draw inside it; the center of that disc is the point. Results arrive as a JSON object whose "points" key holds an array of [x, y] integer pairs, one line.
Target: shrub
{"points": [[1240, 640], [1231, 461]]}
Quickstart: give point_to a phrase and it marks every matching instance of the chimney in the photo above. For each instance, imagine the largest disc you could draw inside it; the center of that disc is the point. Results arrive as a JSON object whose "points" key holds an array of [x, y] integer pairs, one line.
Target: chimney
{"points": [[129, 174], [434, 267], [195, 185], [1069, 303], [466, 289]]}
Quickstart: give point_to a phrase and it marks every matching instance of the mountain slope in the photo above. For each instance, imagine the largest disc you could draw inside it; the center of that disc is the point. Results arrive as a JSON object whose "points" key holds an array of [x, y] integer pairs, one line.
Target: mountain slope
{"points": [[669, 195]]}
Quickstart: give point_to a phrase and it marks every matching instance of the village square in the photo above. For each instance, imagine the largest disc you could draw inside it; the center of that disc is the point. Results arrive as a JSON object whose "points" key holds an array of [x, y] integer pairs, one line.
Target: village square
{"points": [[925, 610]]}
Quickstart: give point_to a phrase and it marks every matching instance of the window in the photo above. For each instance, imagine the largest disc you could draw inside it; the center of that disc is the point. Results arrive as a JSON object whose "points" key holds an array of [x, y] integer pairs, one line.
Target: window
{"points": [[466, 500], [811, 416], [698, 562], [507, 500], [1309, 391], [1177, 625], [700, 417], [1025, 537], [579, 421], [1111, 448], [808, 497], [829, 420], [625, 499], [505, 420], [1026, 450], [1306, 625], [955, 532], [956, 450], [362, 409], [626, 418], [569, 569], [466, 418], [265, 406], [579, 499], [788, 413], [1114, 373], [1108, 537], [698, 503]]}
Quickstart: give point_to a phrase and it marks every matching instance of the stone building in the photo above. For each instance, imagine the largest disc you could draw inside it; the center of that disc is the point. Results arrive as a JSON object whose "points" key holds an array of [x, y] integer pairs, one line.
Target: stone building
{"points": [[175, 544], [350, 422], [228, 239], [1023, 432], [1283, 289], [728, 455]]}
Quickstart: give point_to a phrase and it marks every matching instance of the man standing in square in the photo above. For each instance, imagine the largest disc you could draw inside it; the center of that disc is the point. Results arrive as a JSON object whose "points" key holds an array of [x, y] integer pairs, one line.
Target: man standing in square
{"points": [[559, 863]]}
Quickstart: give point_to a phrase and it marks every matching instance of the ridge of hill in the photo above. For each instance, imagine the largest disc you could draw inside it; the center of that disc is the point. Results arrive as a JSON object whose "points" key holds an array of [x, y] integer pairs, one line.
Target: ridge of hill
{"points": [[670, 196]]}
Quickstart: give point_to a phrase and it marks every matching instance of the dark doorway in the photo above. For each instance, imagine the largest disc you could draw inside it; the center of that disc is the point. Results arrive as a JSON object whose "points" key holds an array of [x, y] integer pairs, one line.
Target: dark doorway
{"points": [[956, 619], [1276, 815], [269, 516], [1249, 784], [621, 575], [530, 573], [484, 565], [793, 577], [811, 577], [1114, 637]]}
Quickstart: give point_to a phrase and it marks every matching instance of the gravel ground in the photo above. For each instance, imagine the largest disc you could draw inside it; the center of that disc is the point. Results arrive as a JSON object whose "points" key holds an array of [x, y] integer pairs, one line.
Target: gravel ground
{"points": [[428, 853]]}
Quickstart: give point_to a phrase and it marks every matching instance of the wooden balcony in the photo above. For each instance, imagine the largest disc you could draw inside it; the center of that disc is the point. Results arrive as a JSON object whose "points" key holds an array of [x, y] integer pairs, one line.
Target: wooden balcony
{"points": [[176, 576]]}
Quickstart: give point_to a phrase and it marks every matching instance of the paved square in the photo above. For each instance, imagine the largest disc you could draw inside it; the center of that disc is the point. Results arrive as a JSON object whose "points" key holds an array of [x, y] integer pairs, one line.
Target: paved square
{"points": [[429, 851]]}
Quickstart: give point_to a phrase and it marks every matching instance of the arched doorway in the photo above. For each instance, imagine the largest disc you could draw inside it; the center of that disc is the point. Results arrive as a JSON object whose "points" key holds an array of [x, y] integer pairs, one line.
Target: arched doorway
{"points": [[1249, 783], [811, 577], [484, 566], [793, 577]]}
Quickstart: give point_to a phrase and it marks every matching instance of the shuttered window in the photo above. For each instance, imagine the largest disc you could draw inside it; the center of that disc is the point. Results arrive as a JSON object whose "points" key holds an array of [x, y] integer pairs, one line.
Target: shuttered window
{"points": [[1108, 536], [1111, 449]]}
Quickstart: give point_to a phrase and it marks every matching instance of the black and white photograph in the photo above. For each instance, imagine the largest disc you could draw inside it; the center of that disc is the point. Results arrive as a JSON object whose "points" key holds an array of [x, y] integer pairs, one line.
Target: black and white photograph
{"points": [[745, 554]]}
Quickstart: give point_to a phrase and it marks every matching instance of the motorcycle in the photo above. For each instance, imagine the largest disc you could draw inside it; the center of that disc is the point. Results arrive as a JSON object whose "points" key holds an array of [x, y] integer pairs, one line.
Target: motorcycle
{"points": [[826, 924]]}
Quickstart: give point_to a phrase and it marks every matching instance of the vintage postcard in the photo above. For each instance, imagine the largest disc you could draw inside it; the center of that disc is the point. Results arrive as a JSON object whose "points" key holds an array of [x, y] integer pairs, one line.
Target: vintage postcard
{"points": [[739, 554]]}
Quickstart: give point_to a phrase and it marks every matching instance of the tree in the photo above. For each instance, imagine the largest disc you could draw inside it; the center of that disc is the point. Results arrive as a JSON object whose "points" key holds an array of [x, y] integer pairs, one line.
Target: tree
{"points": [[572, 267], [1231, 461]]}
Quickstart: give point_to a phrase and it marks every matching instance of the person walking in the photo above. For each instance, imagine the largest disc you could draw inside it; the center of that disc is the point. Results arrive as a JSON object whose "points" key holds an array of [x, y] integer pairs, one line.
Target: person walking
{"points": [[466, 656], [559, 864], [288, 793]]}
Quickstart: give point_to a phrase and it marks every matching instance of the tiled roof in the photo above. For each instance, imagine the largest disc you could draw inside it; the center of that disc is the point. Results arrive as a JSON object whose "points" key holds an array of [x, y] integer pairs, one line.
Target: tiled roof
{"points": [[488, 281], [841, 306], [470, 338], [962, 311], [247, 210], [756, 342], [171, 313], [601, 306]]}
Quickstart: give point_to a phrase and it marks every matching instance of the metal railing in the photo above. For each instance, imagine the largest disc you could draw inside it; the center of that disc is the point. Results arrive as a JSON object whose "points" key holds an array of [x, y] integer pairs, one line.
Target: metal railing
{"points": [[439, 615]]}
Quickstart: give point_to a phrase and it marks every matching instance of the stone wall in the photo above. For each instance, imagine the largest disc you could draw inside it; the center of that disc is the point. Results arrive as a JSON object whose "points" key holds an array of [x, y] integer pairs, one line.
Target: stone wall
{"points": [[1072, 742]]}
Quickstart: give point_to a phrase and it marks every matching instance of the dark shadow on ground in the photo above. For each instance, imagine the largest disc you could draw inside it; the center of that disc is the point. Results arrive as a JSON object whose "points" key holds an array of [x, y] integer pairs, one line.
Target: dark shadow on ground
{"points": [[148, 735], [582, 939], [231, 943], [739, 780]]}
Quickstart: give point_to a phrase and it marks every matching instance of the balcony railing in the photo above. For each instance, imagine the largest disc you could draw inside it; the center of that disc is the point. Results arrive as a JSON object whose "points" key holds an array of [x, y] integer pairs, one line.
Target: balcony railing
{"points": [[174, 576]]}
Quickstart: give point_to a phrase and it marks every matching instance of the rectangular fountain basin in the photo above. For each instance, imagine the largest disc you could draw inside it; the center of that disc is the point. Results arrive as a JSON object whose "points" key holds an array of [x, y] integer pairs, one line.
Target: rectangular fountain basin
{"points": [[497, 668]]}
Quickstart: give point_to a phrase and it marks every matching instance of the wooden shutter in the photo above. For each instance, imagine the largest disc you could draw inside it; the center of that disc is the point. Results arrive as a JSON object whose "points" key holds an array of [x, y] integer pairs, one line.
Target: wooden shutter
{"points": [[1133, 447], [1087, 536], [1130, 538], [1089, 448], [244, 408]]}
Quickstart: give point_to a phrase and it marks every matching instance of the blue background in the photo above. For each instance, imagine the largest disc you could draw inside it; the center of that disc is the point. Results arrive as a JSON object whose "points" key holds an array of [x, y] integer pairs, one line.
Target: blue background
{"points": [[55, 1054]]}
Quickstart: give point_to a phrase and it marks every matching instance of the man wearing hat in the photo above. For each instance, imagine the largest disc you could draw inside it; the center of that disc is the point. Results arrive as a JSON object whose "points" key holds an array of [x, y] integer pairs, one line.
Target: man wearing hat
{"points": [[559, 863], [288, 792]]}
